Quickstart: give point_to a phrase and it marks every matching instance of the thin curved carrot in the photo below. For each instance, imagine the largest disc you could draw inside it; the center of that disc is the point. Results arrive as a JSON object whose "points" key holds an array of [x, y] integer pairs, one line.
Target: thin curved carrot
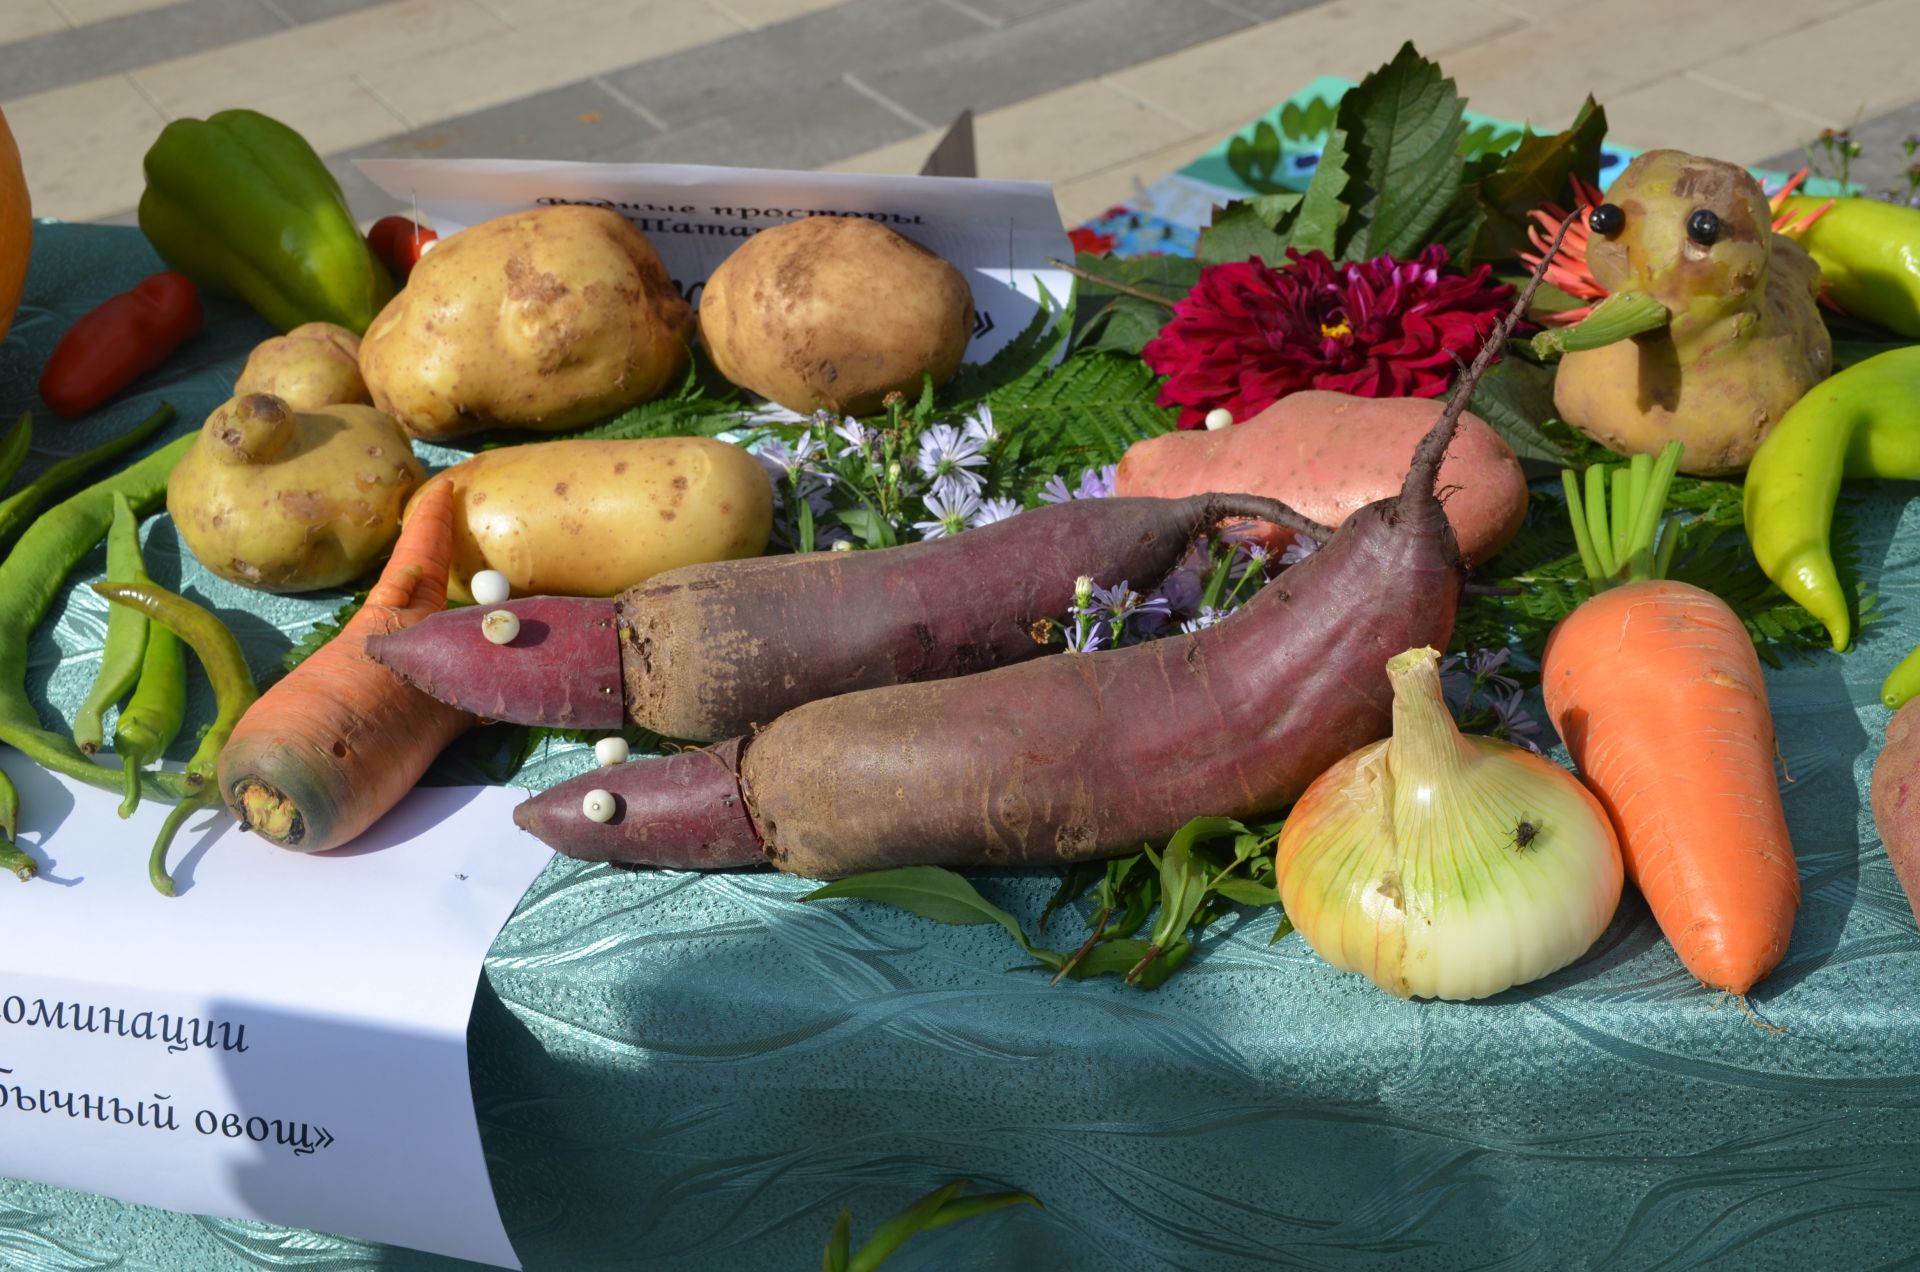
{"points": [[328, 750], [1656, 689]]}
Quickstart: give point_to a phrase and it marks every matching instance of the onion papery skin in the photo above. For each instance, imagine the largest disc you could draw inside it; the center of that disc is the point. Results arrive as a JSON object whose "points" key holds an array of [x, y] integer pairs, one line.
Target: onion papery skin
{"points": [[1404, 862]]}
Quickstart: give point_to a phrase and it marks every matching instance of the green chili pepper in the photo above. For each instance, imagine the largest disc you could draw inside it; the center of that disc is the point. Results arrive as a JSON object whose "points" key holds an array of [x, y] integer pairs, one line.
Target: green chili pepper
{"points": [[219, 654], [13, 450], [240, 203], [157, 859], [19, 507], [126, 641], [1859, 423], [155, 712], [31, 577], [11, 858], [1868, 252]]}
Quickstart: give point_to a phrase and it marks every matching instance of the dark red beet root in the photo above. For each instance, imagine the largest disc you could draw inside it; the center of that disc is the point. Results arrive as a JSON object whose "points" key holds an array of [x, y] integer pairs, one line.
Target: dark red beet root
{"points": [[563, 669], [711, 651], [688, 815]]}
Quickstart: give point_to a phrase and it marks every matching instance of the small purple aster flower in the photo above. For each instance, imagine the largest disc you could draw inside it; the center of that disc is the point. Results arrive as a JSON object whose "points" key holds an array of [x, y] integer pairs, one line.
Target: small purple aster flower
{"points": [[1097, 483], [1297, 551], [1055, 491], [1206, 618], [952, 508], [948, 454], [979, 426], [1513, 718], [854, 433], [1120, 603], [992, 510], [1094, 638]]}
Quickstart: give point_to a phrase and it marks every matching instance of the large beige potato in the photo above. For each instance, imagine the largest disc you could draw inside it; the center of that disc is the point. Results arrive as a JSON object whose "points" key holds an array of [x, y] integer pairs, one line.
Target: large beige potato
{"points": [[834, 313], [592, 518], [547, 320], [290, 501]]}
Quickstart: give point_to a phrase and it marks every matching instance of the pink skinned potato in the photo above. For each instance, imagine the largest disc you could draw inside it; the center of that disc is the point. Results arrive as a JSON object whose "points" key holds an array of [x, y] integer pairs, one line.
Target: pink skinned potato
{"points": [[1895, 797], [1330, 454]]}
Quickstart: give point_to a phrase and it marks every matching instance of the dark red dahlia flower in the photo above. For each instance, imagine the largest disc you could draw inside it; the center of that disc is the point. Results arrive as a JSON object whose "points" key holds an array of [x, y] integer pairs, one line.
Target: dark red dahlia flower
{"points": [[1248, 334]]}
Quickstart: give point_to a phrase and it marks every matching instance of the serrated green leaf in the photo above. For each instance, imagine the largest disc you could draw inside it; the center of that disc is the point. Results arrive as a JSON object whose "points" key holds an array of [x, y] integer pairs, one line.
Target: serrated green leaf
{"points": [[932, 892], [1403, 125], [1538, 172], [1317, 226], [1515, 397], [1105, 318], [1249, 227]]}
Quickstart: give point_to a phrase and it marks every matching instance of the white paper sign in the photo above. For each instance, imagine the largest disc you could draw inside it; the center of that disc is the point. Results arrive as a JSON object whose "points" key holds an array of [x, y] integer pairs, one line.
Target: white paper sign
{"points": [[285, 1040], [999, 233]]}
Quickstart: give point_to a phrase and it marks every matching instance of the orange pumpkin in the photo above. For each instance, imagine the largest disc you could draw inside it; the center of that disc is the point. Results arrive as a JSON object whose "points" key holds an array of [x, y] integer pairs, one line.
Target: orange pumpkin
{"points": [[16, 227]]}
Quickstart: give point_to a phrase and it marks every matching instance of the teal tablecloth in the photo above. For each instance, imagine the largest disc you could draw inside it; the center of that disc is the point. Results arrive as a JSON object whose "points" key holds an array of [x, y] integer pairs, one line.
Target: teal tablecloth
{"points": [[675, 1071]]}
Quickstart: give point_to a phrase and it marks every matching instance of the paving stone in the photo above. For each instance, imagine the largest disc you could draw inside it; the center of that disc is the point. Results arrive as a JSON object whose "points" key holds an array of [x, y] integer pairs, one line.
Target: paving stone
{"points": [[796, 128], [1267, 10], [121, 44], [1007, 11], [1067, 46], [1882, 165], [747, 73], [304, 11], [25, 19], [576, 121]]}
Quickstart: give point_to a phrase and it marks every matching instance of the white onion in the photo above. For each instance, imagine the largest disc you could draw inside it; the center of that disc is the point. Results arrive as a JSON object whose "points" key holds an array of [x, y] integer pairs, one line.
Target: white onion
{"points": [[1440, 865]]}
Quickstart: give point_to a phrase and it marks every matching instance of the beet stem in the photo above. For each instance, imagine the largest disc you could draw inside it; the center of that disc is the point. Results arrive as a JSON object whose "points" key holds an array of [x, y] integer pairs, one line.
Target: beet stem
{"points": [[1433, 447], [1219, 507]]}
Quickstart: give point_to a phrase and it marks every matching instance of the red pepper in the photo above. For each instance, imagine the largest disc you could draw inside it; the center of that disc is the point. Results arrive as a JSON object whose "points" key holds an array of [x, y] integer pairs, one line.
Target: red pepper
{"points": [[399, 243], [118, 341]]}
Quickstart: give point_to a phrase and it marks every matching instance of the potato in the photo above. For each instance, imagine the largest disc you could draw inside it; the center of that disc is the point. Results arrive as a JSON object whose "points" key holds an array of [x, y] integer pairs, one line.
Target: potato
{"points": [[1895, 798], [1329, 454], [591, 518], [316, 364], [834, 313], [289, 501], [546, 320]]}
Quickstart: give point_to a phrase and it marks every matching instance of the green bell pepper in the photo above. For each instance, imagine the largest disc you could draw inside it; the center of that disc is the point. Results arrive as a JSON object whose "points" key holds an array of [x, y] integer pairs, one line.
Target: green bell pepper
{"points": [[240, 203]]}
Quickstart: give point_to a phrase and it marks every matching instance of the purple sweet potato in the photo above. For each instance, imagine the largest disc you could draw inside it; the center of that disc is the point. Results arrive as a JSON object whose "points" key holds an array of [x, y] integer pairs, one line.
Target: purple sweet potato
{"points": [[710, 651], [1079, 755], [1895, 798]]}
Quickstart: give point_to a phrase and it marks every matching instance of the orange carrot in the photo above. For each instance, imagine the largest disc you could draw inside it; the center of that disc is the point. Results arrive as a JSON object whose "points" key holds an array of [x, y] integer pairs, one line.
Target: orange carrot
{"points": [[1656, 690], [328, 750]]}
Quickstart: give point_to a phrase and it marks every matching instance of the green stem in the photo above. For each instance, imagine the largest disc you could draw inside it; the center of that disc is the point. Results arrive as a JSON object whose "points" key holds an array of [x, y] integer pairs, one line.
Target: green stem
{"points": [[1597, 520], [1621, 540], [12, 859], [1618, 317]]}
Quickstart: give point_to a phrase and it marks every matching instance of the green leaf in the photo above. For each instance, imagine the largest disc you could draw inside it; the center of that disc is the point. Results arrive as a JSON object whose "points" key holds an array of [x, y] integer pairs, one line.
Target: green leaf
{"points": [[1317, 227], [890, 1235], [1403, 125], [1121, 957], [1249, 227], [1539, 171], [1081, 414], [932, 892], [835, 1258], [322, 632], [1515, 397], [1246, 891], [1183, 876], [1107, 319], [1033, 347]]}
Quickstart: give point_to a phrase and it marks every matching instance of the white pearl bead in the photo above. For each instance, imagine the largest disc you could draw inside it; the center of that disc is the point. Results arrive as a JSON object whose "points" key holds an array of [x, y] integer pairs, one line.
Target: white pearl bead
{"points": [[489, 587], [1219, 417], [610, 751], [598, 806], [501, 626]]}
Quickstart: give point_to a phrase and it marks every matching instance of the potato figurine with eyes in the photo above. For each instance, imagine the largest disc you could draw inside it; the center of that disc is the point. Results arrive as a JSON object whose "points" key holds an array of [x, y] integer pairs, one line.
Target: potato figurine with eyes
{"points": [[1710, 329]]}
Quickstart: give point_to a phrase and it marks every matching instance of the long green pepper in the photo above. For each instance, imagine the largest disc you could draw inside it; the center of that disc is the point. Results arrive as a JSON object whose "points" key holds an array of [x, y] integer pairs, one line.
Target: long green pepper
{"points": [[1858, 423], [31, 577], [156, 711], [12, 859], [13, 450], [219, 653], [126, 641], [19, 507]]}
